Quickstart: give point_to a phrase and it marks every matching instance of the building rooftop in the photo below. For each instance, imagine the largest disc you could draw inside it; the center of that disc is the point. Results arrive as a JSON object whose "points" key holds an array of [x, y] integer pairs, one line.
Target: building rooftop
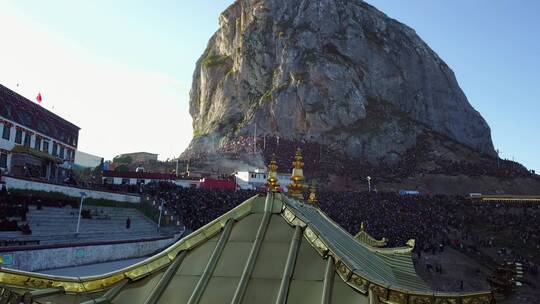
{"points": [[269, 249], [140, 153], [27, 113]]}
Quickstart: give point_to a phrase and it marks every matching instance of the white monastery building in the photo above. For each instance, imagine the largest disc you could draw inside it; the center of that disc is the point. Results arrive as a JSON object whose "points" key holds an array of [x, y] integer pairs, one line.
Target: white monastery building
{"points": [[251, 180]]}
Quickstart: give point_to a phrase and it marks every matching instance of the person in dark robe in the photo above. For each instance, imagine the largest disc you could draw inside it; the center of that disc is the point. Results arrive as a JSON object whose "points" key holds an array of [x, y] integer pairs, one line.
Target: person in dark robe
{"points": [[128, 223]]}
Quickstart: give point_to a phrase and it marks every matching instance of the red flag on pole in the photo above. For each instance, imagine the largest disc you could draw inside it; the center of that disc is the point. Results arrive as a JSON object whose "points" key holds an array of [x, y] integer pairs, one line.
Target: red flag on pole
{"points": [[38, 98]]}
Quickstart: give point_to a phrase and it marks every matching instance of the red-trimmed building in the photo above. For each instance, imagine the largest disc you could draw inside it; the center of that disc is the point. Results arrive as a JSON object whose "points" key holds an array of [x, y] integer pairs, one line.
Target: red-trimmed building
{"points": [[143, 178], [34, 142]]}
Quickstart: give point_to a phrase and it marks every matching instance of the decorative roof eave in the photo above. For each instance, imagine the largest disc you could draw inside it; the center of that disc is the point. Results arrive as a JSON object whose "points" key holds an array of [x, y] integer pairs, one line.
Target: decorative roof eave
{"points": [[386, 293], [30, 280], [367, 239], [394, 250]]}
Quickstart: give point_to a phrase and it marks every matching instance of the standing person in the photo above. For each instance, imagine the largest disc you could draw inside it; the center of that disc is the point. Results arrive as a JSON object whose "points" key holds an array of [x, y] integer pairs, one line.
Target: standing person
{"points": [[128, 223]]}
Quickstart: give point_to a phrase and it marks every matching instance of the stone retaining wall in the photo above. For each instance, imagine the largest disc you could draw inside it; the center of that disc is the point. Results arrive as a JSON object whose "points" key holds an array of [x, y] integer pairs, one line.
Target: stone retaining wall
{"points": [[44, 258]]}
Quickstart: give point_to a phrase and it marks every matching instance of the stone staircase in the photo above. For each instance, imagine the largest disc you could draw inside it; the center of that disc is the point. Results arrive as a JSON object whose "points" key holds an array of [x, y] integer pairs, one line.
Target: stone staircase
{"points": [[58, 225]]}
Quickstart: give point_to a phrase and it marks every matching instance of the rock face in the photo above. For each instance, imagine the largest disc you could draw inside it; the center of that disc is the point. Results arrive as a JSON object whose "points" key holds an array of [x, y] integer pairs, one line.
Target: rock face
{"points": [[332, 71]]}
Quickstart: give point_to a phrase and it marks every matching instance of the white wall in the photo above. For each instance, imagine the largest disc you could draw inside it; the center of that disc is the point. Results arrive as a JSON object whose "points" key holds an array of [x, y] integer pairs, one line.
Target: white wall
{"points": [[252, 180], [87, 160], [187, 183], [133, 181], [22, 184]]}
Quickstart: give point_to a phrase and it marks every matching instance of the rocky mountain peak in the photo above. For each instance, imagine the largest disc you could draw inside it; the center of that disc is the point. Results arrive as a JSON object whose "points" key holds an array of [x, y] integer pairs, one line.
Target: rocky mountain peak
{"points": [[336, 72]]}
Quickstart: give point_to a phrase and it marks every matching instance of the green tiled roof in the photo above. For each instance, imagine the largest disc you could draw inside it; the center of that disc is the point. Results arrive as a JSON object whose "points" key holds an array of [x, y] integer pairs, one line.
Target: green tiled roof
{"points": [[389, 269]]}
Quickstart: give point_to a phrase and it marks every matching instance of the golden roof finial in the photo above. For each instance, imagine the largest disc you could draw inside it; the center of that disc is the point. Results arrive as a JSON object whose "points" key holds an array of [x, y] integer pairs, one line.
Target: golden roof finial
{"points": [[297, 163], [297, 187], [362, 228], [272, 184], [312, 195]]}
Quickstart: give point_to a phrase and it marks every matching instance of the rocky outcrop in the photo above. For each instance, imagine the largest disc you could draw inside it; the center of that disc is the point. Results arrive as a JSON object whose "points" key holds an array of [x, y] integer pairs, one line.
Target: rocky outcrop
{"points": [[337, 72]]}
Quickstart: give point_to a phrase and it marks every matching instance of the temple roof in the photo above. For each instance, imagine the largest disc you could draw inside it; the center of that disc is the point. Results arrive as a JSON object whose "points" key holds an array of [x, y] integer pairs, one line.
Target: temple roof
{"points": [[269, 249]]}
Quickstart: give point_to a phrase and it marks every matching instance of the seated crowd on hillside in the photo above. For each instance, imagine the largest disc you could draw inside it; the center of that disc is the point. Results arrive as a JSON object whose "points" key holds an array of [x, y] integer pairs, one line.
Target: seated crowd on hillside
{"points": [[322, 160], [435, 222], [196, 207], [11, 212], [503, 231], [439, 221]]}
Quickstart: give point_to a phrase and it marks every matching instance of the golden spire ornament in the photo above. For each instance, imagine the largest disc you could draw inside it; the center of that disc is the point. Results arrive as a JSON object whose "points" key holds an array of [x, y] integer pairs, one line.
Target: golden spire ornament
{"points": [[297, 187], [272, 183], [312, 195]]}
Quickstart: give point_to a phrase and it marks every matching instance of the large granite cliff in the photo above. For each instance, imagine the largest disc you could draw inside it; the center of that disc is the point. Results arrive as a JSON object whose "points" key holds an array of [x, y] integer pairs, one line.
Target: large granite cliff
{"points": [[337, 72]]}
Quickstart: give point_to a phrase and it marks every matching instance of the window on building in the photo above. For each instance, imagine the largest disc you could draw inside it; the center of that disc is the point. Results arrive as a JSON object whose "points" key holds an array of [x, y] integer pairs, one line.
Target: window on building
{"points": [[3, 160], [37, 143], [54, 149], [18, 137], [61, 153], [6, 132], [27, 138], [46, 146]]}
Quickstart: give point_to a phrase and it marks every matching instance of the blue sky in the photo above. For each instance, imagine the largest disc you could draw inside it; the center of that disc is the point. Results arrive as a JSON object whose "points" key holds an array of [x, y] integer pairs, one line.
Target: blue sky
{"points": [[101, 64]]}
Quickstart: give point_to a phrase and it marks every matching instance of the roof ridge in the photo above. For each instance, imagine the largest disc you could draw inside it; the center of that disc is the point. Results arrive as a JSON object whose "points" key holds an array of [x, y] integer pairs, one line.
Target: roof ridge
{"points": [[28, 102]]}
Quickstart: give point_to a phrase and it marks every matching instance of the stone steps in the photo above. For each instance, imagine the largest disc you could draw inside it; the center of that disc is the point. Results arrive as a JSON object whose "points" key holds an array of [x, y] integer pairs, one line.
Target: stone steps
{"points": [[58, 225]]}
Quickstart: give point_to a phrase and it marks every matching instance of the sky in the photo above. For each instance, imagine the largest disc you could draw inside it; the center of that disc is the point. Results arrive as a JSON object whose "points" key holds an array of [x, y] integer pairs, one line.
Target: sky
{"points": [[121, 70]]}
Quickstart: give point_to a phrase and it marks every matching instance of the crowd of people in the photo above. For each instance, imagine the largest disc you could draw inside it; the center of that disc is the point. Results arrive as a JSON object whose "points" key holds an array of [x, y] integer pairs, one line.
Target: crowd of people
{"points": [[11, 211], [322, 160], [196, 207], [438, 221], [434, 222]]}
